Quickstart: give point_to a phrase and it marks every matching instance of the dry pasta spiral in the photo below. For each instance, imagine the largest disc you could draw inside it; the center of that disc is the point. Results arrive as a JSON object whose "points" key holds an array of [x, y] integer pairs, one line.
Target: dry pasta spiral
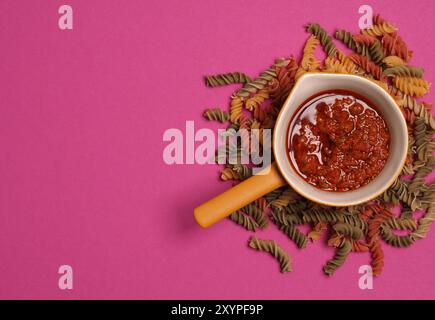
{"points": [[380, 29], [244, 221], [419, 109], [294, 234], [364, 39], [226, 78], [274, 249], [393, 61], [404, 71], [412, 86], [347, 38], [401, 224], [395, 46], [217, 114], [262, 80], [257, 214], [377, 53], [284, 199], [309, 61], [348, 231], [243, 171], [236, 109], [369, 66], [400, 189], [373, 238], [424, 223], [229, 174], [255, 101], [323, 37], [395, 240], [339, 258], [280, 217]]}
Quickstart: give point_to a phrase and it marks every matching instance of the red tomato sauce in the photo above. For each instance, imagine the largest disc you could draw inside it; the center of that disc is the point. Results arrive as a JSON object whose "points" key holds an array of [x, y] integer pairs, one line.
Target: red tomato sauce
{"points": [[337, 141]]}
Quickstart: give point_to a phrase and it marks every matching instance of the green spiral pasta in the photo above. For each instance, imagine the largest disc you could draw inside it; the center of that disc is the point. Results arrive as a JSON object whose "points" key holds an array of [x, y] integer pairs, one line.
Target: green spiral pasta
{"points": [[395, 240], [389, 197], [257, 214], [424, 223], [406, 213], [401, 224], [376, 52], [347, 38], [288, 196], [351, 210], [347, 230], [244, 221], [319, 214], [419, 109], [273, 195], [339, 258], [355, 221], [228, 151], [419, 133], [281, 217], [226, 79], [216, 114], [294, 234], [274, 249], [243, 171], [404, 71], [400, 189], [428, 195], [262, 80], [323, 37], [297, 206]]}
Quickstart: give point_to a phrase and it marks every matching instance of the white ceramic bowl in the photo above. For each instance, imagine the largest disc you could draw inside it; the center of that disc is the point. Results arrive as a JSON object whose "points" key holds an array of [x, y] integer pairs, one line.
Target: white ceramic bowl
{"points": [[312, 83]]}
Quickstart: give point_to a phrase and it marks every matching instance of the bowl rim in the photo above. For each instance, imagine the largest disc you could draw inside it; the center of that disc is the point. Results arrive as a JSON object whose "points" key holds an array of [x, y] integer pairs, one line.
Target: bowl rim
{"points": [[306, 194]]}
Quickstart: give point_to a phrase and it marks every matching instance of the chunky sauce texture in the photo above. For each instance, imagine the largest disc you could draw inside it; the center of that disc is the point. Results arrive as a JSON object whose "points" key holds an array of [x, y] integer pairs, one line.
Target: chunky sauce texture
{"points": [[337, 141]]}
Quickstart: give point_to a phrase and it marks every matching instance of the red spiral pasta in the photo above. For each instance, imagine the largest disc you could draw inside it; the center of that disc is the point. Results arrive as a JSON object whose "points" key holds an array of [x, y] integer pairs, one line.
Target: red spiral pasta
{"points": [[364, 39], [395, 46], [374, 237], [367, 65]]}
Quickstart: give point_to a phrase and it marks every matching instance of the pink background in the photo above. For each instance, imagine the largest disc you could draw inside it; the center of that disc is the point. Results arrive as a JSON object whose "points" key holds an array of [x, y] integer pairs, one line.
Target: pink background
{"points": [[82, 180]]}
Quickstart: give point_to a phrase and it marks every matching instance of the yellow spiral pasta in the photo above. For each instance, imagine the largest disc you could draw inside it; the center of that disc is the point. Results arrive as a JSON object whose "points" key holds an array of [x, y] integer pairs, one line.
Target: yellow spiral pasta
{"points": [[255, 101], [380, 29], [336, 66], [236, 109], [413, 86], [229, 174], [309, 61], [393, 61]]}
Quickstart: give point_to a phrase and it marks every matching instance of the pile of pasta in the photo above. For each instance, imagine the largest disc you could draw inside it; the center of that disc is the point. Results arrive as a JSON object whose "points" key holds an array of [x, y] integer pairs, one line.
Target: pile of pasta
{"points": [[379, 54]]}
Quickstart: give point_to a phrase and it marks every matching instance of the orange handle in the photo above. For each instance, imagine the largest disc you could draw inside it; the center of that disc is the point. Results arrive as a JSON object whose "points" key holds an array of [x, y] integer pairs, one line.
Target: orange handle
{"points": [[238, 196]]}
